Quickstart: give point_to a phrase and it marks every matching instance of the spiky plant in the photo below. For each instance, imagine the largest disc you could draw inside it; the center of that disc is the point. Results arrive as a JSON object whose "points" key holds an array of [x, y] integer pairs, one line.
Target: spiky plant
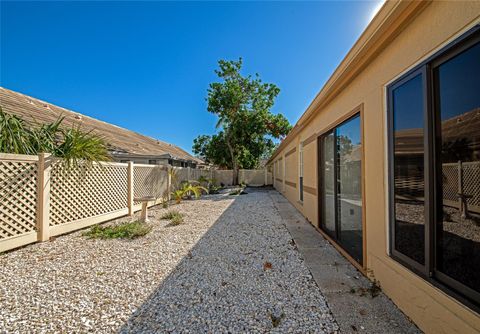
{"points": [[73, 145], [47, 137], [195, 190], [14, 135], [79, 146], [187, 191]]}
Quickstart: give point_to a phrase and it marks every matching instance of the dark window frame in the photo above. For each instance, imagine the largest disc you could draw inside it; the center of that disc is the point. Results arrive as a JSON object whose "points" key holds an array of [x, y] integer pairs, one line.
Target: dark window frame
{"points": [[457, 290], [321, 189]]}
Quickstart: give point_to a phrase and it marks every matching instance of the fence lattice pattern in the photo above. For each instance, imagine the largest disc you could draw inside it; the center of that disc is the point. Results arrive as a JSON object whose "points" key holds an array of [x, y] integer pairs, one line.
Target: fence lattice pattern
{"points": [[18, 197], [77, 197], [148, 181], [86, 192], [471, 182]]}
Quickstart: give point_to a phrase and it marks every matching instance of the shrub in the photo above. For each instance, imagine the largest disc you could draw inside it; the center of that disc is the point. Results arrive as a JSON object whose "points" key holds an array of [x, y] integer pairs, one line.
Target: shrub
{"points": [[174, 216], [187, 191], [124, 231]]}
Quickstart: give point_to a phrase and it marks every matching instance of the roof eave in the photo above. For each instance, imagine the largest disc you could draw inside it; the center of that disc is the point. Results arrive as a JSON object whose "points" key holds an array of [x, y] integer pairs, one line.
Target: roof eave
{"points": [[390, 20]]}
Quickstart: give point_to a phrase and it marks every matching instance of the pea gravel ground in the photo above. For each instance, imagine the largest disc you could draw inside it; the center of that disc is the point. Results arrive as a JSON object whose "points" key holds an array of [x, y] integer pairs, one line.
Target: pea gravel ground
{"points": [[231, 267]]}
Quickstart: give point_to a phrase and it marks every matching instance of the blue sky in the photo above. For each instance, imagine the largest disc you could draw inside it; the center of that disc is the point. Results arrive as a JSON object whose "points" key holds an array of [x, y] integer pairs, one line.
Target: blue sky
{"points": [[146, 66]]}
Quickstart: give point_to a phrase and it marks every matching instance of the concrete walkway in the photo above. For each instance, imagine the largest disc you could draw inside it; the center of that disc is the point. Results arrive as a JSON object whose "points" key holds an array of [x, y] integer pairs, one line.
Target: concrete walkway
{"points": [[347, 291]]}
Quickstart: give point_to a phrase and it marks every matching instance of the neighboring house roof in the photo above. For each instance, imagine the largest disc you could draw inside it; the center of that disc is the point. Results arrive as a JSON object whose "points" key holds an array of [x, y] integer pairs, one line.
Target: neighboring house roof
{"points": [[410, 141], [120, 140]]}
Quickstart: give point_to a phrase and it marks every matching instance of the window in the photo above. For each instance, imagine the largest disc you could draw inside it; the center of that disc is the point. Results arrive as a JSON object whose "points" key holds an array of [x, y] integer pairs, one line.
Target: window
{"points": [[300, 170], [434, 147], [341, 186], [152, 162]]}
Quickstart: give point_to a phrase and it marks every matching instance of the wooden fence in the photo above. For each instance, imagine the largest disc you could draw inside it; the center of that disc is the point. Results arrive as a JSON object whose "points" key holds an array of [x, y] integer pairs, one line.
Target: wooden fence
{"points": [[40, 197]]}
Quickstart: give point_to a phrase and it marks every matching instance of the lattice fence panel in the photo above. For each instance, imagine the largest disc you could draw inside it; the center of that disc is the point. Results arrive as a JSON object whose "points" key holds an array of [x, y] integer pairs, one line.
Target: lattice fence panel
{"points": [[149, 181], [471, 182], [18, 197], [86, 192], [450, 181]]}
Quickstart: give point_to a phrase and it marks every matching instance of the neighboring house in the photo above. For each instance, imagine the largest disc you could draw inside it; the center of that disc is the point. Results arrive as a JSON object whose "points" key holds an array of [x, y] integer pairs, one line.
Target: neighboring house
{"points": [[124, 145], [385, 162]]}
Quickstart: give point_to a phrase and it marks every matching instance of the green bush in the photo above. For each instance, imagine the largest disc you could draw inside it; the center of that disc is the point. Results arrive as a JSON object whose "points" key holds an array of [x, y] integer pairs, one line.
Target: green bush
{"points": [[124, 231], [174, 216]]}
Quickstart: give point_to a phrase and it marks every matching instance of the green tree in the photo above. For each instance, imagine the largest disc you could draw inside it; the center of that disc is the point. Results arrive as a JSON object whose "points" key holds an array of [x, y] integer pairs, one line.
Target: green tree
{"points": [[246, 124]]}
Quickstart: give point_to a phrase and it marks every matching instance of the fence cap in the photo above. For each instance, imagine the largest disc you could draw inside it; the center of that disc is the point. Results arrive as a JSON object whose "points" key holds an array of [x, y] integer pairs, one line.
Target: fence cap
{"points": [[144, 199]]}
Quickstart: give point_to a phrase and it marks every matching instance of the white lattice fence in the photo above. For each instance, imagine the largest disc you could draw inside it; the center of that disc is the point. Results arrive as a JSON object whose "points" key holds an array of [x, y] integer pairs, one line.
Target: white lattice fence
{"points": [[86, 192], [18, 195], [471, 183], [150, 181]]}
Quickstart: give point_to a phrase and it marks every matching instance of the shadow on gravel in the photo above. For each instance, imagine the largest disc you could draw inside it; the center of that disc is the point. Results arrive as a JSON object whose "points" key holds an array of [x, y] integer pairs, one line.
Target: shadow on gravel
{"points": [[225, 283]]}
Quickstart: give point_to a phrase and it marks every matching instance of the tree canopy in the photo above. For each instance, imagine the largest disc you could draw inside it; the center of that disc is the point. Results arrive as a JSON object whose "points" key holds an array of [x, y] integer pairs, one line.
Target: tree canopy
{"points": [[246, 126]]}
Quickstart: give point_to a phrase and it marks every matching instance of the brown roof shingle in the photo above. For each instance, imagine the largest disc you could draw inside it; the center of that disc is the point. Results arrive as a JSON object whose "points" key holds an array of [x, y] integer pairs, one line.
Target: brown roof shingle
{"points": [[34, 111]]}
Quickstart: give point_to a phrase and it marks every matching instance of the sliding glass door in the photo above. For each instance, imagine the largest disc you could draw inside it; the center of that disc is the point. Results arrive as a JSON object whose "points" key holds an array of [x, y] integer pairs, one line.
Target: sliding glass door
{"points": [[341, 186]]}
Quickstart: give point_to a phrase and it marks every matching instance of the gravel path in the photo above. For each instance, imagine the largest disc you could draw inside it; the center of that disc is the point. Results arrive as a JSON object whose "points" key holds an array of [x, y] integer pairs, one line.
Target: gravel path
{"points": [[229, 268]]}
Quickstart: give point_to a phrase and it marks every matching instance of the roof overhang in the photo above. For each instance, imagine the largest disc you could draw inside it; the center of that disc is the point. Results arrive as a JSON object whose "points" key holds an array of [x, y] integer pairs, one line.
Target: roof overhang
{"points": [[390, 20]]}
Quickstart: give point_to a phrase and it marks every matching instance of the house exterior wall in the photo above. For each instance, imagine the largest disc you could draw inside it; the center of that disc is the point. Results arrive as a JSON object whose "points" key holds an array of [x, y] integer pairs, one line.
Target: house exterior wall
{"points": [[432, 28]]}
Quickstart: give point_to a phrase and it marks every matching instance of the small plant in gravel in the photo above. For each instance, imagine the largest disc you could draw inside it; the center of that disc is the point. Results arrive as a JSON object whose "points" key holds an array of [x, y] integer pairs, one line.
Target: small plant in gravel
{"points": [[237, 192], [188, 190], [124, 231], [276, 319], [174, 216]]}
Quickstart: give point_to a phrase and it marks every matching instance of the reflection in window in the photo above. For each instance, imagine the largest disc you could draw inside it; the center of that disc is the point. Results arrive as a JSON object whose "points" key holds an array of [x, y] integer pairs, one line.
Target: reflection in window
{"points": [[458, 98], [409, 169], [342, 186]]}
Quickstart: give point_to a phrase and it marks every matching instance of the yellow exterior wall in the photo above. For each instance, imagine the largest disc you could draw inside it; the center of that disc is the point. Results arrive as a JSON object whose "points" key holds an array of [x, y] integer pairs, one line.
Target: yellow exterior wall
{"points": [[438, 23]]}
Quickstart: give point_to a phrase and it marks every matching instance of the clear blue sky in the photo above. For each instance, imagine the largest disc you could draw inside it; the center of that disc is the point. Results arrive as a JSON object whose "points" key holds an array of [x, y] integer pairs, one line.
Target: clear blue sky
{"points": [[146, 66]]}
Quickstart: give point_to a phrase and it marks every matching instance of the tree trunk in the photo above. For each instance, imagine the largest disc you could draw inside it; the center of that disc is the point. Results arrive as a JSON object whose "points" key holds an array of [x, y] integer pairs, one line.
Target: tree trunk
{"points": [[234, 164], [235, 173]]}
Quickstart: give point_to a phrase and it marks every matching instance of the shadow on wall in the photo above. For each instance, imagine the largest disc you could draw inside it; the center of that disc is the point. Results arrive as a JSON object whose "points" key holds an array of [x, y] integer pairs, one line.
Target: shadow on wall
{"points": [[222, 285]]}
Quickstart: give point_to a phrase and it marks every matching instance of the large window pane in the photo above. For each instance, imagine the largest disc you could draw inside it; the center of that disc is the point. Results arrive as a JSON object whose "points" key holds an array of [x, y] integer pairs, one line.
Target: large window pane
{"points": [[328, 205], [349, 197], [408, 164], [458, 228]]}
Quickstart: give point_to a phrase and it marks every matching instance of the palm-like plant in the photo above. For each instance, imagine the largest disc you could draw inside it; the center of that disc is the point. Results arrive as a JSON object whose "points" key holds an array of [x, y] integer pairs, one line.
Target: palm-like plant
{"points": [[187, 191], [79, 146], [72, 144], [14, 135]]}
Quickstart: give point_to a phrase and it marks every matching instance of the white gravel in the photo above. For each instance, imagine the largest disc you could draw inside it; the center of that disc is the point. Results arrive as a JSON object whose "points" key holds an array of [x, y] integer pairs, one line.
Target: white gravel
{"points": [[206, 275]]}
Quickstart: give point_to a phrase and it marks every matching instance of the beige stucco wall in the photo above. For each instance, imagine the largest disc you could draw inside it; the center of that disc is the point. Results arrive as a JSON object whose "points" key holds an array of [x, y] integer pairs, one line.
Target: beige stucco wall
{"points": [[440, 22]]}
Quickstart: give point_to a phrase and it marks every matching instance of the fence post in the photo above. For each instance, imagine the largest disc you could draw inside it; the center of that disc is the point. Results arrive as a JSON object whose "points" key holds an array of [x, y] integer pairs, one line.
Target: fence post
{"points": [[188, 174], [266, 175], [169, 182], [43, 196], [130, 188]]}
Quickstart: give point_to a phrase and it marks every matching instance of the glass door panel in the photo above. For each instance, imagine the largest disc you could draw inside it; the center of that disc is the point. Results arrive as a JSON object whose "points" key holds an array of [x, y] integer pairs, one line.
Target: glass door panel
{"points": [[349, 185], [328, 205], [458, 165], [341, 186]]}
